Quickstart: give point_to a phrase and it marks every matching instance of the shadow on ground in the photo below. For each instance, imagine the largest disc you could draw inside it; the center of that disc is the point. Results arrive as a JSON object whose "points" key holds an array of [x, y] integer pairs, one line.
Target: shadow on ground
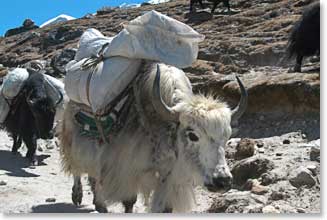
{"points": [[60, 208], [15, 164]]}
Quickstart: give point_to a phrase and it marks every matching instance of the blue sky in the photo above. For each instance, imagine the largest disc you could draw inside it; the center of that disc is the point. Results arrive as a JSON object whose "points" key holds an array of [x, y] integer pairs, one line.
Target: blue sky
{"points": [[14, 12]]}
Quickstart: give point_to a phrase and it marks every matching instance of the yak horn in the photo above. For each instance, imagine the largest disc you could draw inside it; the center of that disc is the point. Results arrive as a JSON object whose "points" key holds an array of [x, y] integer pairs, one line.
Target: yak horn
{"points": [[241, 107], [166, 112]]}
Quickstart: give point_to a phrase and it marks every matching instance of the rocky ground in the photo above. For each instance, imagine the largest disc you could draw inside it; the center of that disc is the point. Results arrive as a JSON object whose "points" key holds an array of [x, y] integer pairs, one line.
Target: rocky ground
{"points": [[275, 150]]}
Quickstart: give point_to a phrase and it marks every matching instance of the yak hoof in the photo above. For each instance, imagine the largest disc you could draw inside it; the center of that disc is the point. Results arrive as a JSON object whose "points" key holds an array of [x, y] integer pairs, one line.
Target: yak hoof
{"points": [[168, 210], [32, 160], [101, 208], [297, 68], [77, 195]]}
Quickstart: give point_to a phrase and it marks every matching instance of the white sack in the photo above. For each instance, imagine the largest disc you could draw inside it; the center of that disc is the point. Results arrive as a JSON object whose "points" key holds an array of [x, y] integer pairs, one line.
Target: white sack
{"points": [[4, 107], [57, 86], [109, 79], [90, 43], [155, 36], [13, 82]]}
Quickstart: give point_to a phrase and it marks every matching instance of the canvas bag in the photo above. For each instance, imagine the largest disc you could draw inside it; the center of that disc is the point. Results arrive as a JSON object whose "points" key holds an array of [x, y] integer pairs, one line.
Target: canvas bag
{"points": [[154, 36], [13, 82], [90, 44], [106, 81]]}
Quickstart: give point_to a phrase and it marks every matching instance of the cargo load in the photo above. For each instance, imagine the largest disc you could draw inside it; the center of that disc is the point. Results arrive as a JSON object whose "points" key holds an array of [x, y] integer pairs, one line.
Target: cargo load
{"points": [[115, 61]]}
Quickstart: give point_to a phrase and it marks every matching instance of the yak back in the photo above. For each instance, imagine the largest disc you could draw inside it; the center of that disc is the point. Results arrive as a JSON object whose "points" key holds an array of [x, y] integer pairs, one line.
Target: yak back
{"points": [[175, 87], [305, 36]]}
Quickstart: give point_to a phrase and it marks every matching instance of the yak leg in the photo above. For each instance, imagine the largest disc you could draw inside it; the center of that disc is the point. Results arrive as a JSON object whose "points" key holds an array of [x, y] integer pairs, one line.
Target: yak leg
{"points": [[227, 5], [128, 204], [191, 5], [201, 4], [17, 143], [214, 6], [168, 210], [77, 191], [297, 67], [31, 149], [99, 205]]}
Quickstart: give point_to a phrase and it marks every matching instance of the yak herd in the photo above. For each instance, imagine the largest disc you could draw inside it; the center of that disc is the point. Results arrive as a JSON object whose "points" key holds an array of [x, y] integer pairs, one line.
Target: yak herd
{"points": [[171, 139]]}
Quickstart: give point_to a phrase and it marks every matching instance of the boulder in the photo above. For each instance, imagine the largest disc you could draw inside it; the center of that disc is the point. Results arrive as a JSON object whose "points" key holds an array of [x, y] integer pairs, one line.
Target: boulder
{"points": [[251, 167], [315, 153], [302, 177], [245, 148], [28, 24], [235, 201], [59, 61]]}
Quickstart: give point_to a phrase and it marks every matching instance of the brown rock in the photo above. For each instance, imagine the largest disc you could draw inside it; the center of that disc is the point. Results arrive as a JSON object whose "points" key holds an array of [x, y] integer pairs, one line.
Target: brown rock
{"points": [[251, 167], [245, 148], [259, 189]]}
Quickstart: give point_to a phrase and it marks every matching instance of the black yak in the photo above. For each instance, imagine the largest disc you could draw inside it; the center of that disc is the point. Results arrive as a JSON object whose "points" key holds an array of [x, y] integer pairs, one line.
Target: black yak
{"points": [[304, 39], [215, 4], [31, 115]]}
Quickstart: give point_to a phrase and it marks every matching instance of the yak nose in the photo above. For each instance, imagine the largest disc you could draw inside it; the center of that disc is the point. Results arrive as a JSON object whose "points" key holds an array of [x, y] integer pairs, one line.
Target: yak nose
{"points": [[222, 178], [224, 182]]}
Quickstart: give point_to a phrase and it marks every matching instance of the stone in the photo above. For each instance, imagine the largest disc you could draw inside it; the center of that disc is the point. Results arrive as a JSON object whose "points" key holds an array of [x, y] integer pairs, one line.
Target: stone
{"points": [[261, 151], [251, 167], [312, 168], [300, 210], [3, 183], [315, 153], [248, 184], [59, 61], [245, 148], [27, 25], [275, 195], [50, 200], [302, 176], [260, 144], [269, 209], [259, 189], [267, 178], [257, 208]]}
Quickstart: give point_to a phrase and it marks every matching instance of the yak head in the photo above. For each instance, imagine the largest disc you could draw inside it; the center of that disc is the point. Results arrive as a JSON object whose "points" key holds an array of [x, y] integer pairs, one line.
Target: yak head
{"points": [[204, 127], [41, 105]]}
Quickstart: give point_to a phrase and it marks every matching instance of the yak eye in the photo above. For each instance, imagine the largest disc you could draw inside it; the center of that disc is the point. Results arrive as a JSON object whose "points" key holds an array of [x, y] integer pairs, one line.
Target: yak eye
{"points": [[193, 137]]}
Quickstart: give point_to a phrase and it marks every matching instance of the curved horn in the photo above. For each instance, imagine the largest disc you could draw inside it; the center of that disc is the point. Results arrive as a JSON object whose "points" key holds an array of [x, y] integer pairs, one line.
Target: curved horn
{"points": [[241, 107], [159, 105]]}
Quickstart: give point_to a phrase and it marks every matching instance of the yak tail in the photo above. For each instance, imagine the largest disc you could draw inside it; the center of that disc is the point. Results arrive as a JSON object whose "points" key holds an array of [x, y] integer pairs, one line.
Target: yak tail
{"points": [[65, 137]]}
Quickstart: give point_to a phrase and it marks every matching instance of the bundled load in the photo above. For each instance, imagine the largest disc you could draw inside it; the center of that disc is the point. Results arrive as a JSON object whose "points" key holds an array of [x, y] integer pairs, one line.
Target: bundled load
{"points": [[105, 66], [13, 82]]}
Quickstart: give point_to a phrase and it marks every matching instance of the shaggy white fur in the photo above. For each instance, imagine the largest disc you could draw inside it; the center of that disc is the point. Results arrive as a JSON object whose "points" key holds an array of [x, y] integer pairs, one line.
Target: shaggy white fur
{"points": [[150, 155]]}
